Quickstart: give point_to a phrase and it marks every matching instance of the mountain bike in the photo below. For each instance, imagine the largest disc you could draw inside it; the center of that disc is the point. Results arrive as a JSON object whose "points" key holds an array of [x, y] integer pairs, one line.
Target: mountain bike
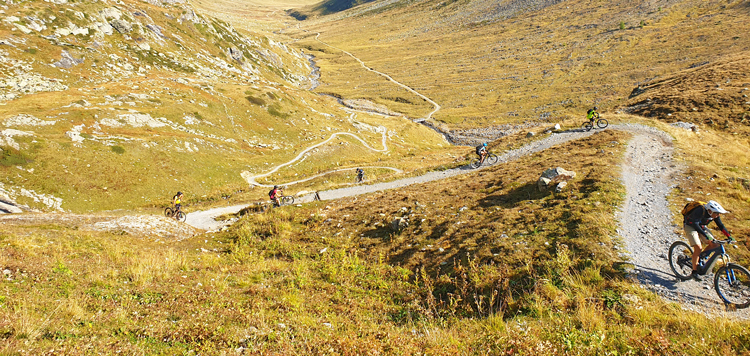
{"points": [[731, 281], [489, 160], [600, 123], [287, 200], [175, 214]]}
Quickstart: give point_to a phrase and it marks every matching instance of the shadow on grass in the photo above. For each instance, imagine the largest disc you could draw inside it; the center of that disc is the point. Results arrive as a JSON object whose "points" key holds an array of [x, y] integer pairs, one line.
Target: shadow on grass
{"points": [[514, 197]]}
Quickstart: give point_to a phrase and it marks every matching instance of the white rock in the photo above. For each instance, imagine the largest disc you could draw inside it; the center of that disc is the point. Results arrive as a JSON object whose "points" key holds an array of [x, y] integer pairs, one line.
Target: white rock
{"points": [[26, 120]]}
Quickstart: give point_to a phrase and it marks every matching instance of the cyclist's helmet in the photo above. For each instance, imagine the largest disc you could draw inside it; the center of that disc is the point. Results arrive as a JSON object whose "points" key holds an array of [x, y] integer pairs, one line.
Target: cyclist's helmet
{"points": [[179, 193], [595, 108], [484, 144], [713, 207], [275, 187]]}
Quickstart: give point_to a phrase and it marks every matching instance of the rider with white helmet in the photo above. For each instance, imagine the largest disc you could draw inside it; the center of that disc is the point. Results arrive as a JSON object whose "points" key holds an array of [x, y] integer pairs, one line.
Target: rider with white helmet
{"points": [[695, 229]]}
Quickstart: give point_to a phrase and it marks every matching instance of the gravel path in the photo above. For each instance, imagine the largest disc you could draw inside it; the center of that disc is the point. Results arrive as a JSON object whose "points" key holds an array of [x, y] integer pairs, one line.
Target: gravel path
{"points": [[646, 227]]}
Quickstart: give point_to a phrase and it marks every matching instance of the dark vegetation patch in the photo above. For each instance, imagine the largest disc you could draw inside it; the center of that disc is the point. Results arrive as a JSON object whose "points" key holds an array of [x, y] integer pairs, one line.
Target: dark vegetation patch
{"points": [[12, 157]]}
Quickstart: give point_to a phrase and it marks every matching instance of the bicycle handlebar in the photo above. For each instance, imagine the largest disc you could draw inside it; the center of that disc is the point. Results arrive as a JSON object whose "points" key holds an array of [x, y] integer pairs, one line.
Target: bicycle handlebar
{"points": [[724, 242]]}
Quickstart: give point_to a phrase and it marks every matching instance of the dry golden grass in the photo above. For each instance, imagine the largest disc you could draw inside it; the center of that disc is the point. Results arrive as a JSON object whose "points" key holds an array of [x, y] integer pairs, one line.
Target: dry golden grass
{"points": [[560, 60]]}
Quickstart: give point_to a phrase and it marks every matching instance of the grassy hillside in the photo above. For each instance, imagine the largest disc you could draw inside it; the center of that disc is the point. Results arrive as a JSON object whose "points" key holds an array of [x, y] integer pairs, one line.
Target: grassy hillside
{"points": [[487, 265], [111, 106], [714, 94], [487, 62]]}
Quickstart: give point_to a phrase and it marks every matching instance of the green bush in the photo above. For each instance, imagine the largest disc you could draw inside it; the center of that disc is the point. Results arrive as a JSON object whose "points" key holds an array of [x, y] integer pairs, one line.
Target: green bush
{"points": [[118, 149]]}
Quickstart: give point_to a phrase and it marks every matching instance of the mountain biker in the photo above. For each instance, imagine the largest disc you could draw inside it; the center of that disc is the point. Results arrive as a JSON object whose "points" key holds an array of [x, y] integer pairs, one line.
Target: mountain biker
{"points": [[695, 229], [592, 115], [482, 152], [360, 175], [177, 202], [275, 195]]}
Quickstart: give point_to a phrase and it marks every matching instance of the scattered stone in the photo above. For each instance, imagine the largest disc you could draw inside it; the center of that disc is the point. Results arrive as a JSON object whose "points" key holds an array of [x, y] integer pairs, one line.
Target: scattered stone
{"points": [[67, 61], [399, 223], [26, 120]]}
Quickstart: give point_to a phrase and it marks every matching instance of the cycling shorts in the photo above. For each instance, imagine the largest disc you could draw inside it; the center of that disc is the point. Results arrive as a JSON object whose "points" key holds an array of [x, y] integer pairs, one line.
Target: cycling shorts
{"points": [[694, 237]]}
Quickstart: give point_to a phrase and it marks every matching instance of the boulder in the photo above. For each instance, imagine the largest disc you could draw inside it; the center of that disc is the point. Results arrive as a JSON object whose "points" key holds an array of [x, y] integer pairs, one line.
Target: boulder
{"points": [[554, 176], [121, 26], [111, 13], [6, 208]]}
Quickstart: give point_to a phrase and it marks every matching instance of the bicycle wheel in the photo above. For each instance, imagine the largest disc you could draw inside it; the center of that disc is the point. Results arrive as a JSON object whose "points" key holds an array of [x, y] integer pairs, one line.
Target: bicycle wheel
{"points": [[680, 260], [732, 284], [181, 216], [491, 159], [168, 212], [287, 200], [587, 126], [602, 123], [474, 164]]}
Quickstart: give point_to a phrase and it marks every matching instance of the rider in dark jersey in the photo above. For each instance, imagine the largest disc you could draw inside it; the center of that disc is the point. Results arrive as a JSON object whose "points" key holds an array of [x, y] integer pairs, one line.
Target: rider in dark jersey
{"points": [[695, 229]]}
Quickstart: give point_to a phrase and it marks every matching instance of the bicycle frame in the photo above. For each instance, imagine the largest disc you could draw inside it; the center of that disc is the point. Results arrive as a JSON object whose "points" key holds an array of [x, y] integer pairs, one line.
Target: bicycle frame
{"points": [[712, 255]]}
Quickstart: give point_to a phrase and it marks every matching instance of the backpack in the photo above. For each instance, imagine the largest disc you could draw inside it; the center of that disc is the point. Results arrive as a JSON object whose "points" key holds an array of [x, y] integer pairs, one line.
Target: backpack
{"points": [[270, 194], [479, 149], [690, 206]]}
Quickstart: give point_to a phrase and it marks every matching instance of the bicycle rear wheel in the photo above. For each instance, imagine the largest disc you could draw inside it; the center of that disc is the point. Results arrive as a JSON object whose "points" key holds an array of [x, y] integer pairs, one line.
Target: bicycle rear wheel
{"points": [[680, 260], [287, 200], [491, 159], [474, 164], [602, 123], [181, 216], [168, 212], [732, 284], [587, 126]]}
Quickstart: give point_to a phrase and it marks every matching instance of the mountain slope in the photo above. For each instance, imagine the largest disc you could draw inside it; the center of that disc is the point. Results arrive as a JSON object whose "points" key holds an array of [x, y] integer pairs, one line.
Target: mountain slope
{"points": [[713, 93], [486, 62], [120, 105]]}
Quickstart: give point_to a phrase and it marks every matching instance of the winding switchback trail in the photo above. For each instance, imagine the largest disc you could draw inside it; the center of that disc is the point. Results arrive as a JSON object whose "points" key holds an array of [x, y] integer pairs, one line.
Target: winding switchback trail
{"points": [[251, 179], [435, 105]]}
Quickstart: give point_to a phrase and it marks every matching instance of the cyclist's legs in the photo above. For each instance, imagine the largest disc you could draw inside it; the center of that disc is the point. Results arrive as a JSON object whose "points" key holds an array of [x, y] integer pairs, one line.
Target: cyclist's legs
{"points": [[696, 241]]}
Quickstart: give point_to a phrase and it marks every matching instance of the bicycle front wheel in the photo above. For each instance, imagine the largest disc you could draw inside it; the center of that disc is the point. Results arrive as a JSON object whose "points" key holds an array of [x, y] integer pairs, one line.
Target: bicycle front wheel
{"points": [[602, 123], [732, 284], [287, 200], [680, 260], [587, 126], [181, 216], [168, 212], [491, 159]]}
